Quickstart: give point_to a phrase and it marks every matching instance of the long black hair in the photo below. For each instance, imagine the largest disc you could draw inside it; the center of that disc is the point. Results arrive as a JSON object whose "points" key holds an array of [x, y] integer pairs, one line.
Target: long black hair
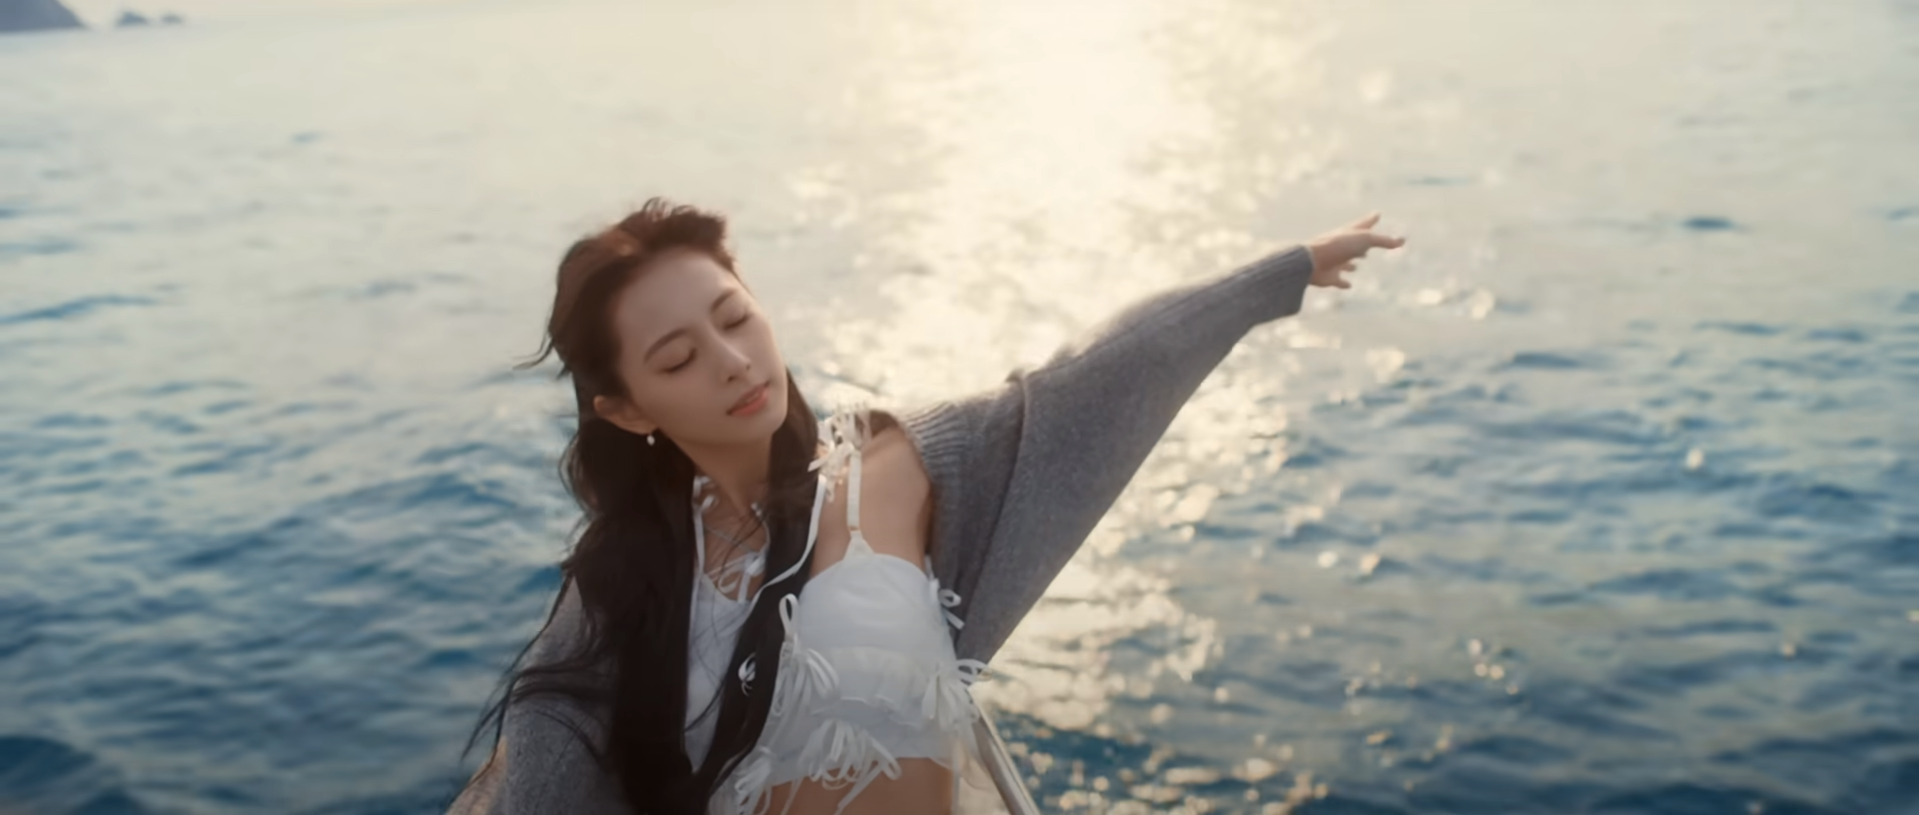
{"points": [[633, 563]]}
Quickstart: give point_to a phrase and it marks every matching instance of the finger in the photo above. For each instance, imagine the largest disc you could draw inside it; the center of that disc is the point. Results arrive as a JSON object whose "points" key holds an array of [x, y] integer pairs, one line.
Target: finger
{"points": [[1349, 267], [1367, 222], [1387, 241], [1342, 284]]}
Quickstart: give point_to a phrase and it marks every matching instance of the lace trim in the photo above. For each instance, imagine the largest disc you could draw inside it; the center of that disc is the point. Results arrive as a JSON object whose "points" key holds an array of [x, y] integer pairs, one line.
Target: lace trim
{"points": [[838, 753], [911, 691], [971, 670], [846, 434], [945, 600]]}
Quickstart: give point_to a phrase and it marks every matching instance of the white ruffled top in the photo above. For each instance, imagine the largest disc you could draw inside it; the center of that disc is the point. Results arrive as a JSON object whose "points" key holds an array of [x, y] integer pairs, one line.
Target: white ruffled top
{"points": [[867, 675]]}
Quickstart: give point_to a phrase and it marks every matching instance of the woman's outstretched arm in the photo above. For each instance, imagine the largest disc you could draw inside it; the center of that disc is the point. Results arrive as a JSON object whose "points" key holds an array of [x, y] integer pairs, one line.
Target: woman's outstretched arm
{"points": [[1023, 471]]}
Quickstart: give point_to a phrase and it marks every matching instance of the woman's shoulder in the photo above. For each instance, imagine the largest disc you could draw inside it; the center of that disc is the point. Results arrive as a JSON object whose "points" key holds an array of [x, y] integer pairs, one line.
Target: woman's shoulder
{"points": [[896, 492], [877, 432], [889, 456]]}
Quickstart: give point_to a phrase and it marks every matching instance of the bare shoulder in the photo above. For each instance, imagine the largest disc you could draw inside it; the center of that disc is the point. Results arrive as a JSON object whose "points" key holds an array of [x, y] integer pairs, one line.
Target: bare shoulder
{"points": [[898, 492], [889, 450], [896, 506]]}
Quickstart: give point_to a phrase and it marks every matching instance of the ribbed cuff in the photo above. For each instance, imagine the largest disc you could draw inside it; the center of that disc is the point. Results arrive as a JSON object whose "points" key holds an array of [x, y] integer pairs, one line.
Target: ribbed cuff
{"points": [[1276, 283]]}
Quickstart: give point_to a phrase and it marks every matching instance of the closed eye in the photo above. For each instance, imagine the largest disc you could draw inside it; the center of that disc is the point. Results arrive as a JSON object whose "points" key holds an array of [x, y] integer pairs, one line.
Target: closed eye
{"points": [[689, 357]]}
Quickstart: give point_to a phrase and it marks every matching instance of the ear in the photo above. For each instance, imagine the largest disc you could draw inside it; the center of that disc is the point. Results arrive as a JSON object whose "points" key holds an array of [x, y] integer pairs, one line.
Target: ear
{"points": [[623, 415]]}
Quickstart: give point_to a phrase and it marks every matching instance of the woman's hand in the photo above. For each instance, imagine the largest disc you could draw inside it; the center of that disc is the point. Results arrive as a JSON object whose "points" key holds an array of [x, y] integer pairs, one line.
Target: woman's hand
{"points": [[1338, 251]]}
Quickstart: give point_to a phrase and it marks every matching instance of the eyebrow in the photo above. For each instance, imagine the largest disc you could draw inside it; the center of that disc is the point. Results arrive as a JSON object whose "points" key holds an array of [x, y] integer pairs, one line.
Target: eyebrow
{"points": [[717, 302]]}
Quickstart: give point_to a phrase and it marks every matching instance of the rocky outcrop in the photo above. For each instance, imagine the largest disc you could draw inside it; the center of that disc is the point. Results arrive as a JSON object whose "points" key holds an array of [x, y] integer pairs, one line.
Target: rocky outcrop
{"points": [[134, 19], [35, 15]]}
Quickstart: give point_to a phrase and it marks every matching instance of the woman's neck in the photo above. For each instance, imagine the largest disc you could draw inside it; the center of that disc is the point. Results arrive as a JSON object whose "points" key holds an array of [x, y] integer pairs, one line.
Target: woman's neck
{"points": [[738, 476]]}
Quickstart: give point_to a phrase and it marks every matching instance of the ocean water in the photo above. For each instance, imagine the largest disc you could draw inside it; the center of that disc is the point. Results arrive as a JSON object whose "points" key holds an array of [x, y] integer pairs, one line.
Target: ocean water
{"points": [[1600, 496]]}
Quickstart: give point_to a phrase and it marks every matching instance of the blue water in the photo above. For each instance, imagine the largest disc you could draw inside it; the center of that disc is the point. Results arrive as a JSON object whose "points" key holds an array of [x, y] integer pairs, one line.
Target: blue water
{"points": [[1602, 496]]}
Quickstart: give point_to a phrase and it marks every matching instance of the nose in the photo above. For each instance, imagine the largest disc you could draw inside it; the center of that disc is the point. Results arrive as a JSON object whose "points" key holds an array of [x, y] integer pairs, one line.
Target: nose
{"points": [[738, 363]]}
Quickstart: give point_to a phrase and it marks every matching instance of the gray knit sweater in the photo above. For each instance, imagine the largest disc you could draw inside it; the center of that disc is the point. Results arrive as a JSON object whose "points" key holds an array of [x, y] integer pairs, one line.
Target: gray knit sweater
{"points": [[1021, 473]]}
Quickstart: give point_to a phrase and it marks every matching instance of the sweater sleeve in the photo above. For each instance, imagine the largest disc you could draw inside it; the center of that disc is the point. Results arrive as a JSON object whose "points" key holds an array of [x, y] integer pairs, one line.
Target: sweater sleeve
{"points": [[1024, 470], [548, 768], [541, 764]]}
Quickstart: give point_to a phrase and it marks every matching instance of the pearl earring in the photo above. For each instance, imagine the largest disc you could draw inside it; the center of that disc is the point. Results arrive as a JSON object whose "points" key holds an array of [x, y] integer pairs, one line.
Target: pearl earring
{"points": [[649, 439]]}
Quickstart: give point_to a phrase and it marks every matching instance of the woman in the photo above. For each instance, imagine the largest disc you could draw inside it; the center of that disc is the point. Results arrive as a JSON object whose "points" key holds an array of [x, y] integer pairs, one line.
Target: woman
{"points": [[686, 665]]}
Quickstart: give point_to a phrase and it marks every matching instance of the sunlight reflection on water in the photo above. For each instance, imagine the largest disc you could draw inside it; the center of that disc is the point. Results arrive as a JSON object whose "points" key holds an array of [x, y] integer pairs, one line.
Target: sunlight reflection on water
{"points": [[1595, 499]]}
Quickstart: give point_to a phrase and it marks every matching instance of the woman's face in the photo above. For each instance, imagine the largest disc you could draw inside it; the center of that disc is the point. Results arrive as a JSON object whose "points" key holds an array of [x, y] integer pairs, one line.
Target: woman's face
{"points": [[693, 342]]}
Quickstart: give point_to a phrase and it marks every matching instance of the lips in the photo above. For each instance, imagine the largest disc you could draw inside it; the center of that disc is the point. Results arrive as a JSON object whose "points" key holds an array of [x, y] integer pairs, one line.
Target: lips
{"points": [[748, 398]]}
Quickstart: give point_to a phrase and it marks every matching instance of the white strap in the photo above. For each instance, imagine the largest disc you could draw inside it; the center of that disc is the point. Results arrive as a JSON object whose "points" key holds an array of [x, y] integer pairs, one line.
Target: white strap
{"points": [[812, 532], [819, 501], [853, 494], [699, 527]]}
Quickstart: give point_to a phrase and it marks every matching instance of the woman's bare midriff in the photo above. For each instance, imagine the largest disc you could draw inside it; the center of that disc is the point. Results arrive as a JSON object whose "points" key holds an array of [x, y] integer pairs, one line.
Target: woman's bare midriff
{"points": [[924, 786]]}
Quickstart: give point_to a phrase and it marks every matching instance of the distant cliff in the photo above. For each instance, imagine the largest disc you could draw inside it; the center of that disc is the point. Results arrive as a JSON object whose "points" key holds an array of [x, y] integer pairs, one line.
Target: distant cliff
{"points": [[35, 15]]}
